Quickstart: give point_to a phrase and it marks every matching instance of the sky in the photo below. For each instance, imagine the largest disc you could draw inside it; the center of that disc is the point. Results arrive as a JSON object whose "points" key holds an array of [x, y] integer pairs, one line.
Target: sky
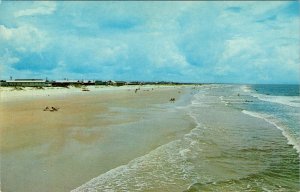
{"points": [[196, 41]]}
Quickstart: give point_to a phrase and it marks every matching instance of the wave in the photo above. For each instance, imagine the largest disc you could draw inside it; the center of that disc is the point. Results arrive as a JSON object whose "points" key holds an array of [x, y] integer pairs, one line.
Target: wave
{"points": [[160, 169], [166, 168], [292, 101], [246, 88], [170, 167], [291, 140], [253, 182]]}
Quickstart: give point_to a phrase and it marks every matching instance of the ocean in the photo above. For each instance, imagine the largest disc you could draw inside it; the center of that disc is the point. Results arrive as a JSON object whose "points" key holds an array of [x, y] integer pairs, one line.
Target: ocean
{"points": [[244, 138], [280, 106]]}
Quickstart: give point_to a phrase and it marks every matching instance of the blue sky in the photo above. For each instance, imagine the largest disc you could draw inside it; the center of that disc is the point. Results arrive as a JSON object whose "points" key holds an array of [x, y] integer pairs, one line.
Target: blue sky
{"points": [[239, 42]]}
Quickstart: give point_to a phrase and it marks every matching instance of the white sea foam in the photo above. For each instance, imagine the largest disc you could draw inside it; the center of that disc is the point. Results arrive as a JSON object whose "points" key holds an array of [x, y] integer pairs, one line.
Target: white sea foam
{"points": [[201, 99], [268, 118], [162, 167], [166, 165], [246, 88], [292, 101]]}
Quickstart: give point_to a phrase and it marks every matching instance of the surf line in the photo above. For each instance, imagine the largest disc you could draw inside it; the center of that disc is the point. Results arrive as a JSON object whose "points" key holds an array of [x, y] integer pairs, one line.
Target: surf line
{"points": [[291, 140]]}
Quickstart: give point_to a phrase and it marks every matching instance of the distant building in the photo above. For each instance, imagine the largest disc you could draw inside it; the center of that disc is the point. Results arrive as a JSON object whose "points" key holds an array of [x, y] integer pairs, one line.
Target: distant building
{"points": [[111, 82], [26, 83], [120, 83], [88, 82], [65, 83], [116, 83], [134, 83], [100, 83]]}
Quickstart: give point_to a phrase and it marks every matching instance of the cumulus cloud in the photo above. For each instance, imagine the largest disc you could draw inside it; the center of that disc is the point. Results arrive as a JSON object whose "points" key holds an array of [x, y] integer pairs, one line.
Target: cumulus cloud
{"points": [[5, 33], [38, 8], [24, 38], [8, 59], [165, 53], [235, 46], [183, 41], [288, 56]]}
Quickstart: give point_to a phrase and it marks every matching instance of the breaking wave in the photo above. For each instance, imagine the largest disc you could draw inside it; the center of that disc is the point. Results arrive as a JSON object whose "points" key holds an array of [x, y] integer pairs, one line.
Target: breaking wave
{"points": [[291, 140]]}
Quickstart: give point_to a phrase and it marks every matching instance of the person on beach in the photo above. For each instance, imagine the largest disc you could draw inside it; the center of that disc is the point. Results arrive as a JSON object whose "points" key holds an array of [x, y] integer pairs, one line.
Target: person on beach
{"points": [[54, 109], [46, 108], [172, 99]]}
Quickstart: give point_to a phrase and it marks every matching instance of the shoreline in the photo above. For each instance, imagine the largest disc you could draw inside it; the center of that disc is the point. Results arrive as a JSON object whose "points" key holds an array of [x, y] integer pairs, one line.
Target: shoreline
{"points": [[290, 140], [112, 138], [226, 150]]}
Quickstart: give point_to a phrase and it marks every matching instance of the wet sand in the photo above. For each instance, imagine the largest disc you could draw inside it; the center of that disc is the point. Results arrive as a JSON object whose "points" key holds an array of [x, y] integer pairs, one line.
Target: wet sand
{"points": [[91, 133], [227, 150]]}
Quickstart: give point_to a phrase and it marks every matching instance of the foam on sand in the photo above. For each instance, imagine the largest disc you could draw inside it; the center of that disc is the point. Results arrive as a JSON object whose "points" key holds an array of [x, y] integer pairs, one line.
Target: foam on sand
{"points": [[163, 169]]}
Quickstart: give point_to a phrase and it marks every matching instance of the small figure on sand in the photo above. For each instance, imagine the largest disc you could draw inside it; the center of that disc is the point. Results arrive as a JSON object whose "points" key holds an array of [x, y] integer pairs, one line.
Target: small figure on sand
{"points": [[52, 109], [46, 109], [137, 90], [85, 89], [172, 99]]}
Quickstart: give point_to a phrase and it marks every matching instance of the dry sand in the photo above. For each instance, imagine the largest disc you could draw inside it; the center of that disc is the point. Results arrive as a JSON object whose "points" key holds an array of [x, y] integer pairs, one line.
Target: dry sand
{"points": [[58, 151]]}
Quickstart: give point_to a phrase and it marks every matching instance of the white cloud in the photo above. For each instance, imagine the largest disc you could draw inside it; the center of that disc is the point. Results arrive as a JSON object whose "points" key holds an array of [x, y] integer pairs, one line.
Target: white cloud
{"points": [[23, 39], [235, 46], [39, 8], [288, 56], [5, 33], [91, 53], [223, 69], [207, 39], [166, 54], [110, 52], [8, 59]]}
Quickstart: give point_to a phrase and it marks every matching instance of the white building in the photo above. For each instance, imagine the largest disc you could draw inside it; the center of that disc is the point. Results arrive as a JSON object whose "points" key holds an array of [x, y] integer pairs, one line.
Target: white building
{"points": [[26, 83]]}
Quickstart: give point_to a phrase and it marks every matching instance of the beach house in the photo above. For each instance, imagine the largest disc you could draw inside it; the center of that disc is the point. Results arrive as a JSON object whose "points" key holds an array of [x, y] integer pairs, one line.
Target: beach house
{"points": [[121, 83], [26, 83], [98, 82]]}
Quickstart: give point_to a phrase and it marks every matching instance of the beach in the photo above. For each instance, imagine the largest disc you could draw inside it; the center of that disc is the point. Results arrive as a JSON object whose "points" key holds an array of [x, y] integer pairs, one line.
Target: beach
{"points": [[117, 139], [91, 133]]}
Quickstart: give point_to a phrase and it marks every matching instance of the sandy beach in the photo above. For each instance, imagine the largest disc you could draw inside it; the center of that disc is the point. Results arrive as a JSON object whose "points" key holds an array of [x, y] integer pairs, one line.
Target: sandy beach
{"points": [[213, 137], [57, 151], [158, 96]]}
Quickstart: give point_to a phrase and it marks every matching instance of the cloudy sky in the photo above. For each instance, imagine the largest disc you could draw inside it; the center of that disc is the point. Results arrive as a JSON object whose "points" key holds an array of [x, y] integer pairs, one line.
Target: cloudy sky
{"points": [[240, 42]]}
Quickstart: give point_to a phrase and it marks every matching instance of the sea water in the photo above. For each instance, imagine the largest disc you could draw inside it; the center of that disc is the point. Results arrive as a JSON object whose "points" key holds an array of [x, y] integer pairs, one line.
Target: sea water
{"points": [[279, 105], [245, 138]]}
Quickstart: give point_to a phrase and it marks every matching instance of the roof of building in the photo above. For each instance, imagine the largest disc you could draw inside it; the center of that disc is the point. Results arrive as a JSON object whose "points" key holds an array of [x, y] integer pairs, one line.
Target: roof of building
{"points": [[66, 81], [29, 79], [26, 81]]}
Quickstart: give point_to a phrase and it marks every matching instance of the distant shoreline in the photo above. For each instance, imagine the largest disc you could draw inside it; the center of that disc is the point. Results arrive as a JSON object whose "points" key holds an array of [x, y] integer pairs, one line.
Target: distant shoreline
{"points": [[8, 94], [78, 83]]}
